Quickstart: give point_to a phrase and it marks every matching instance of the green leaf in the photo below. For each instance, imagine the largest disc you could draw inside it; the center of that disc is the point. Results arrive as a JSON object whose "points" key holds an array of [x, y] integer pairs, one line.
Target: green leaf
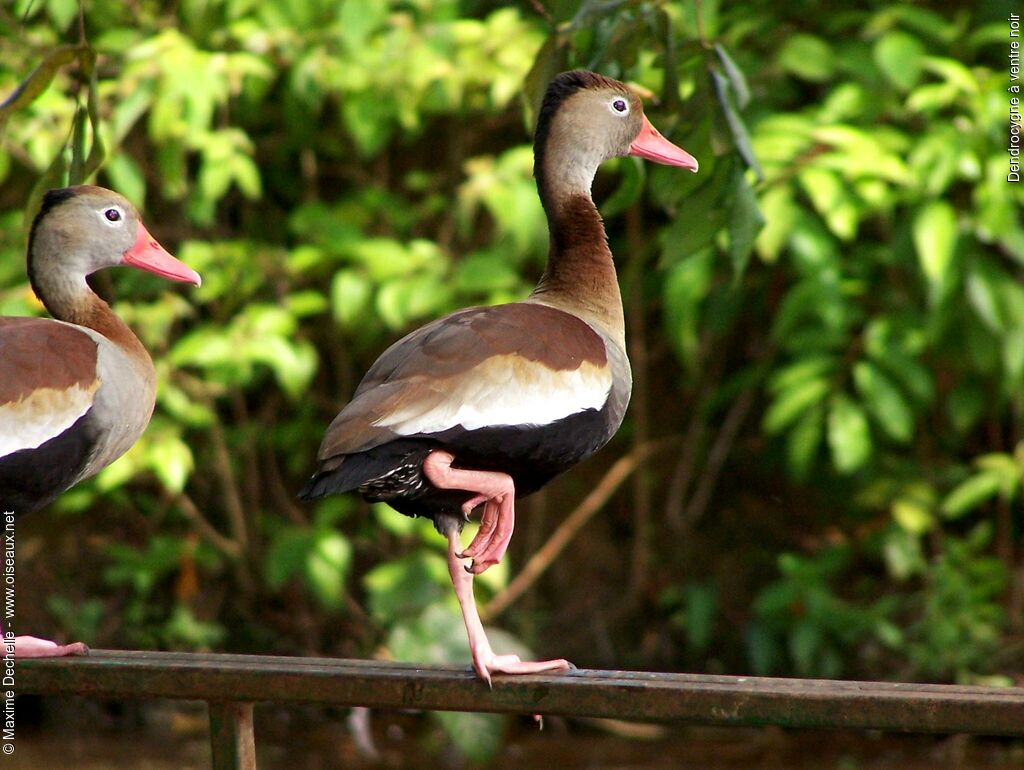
{"points": [[935, 237], [350, 296], [37, 81], [629, 189], [287, 555], [701, 606], [745, 222], [808, 57], [549, 61], [735, 74], [126, 177], [804, 368], [984, 296], [884, 401], [327, 565], [901, 57], [684, 290], [792, 402], [849, 437], [805, 641], [903, 555], [406, 586], [737, 127], [831, 198], [171, 461], [1006, 467], [484, 272], [780, 215], [971, 493], [804, 440], [912, 515], [477, 736], [965, 405], [63, 12]]}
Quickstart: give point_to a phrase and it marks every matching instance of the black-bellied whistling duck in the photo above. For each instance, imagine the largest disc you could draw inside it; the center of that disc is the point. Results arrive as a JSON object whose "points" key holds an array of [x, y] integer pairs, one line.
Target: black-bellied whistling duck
{"points": [[76, 392], [490, 403]]}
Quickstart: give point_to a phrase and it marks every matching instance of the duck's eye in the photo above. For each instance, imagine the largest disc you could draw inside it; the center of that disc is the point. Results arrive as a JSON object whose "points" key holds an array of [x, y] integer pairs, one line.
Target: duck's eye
{"points": [[620, 105], [112, 215]]}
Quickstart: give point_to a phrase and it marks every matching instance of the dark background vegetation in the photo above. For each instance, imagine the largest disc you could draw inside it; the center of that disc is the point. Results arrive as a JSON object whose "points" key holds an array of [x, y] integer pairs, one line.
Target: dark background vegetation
{"points": [[821, 470]]}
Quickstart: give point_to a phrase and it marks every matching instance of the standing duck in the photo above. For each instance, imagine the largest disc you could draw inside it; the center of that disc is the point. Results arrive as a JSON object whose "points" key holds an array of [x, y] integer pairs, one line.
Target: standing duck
{"points": [[490, 403], [78, 391]]}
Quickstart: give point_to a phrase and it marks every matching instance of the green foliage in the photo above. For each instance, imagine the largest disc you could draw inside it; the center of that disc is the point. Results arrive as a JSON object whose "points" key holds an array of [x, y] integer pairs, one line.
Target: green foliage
{"points": [[961, 619], [801, 619], [830, 314]]}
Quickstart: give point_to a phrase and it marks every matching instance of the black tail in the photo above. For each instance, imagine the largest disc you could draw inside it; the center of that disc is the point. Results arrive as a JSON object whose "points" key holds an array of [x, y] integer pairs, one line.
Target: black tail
{"points": [[345, 478], [357, 470]]}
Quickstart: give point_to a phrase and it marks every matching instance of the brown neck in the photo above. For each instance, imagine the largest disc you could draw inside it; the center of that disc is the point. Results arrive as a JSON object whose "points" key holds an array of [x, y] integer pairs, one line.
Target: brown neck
{"points": [[580, 275], [75, 302], [97, 315]]}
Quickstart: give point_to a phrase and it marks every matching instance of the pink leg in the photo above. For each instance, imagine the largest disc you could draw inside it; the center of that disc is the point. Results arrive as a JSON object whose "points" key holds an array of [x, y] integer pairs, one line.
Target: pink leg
{"points": [[484, 660], [495, 490], [33, 647]]}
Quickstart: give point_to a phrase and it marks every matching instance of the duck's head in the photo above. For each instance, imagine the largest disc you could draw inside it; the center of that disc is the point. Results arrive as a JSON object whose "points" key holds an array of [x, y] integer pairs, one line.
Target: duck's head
{"points": [[82, 229], [586, 119]]}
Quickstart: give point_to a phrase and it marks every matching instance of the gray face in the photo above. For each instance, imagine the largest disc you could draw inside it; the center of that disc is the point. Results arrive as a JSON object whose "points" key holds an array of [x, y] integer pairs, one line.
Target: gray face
{"points": [[592, 126], [86, 232]]}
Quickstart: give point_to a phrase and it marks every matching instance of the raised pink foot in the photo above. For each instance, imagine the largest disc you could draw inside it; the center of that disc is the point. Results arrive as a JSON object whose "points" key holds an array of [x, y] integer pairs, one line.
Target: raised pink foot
{"points": [[33, 647], [495, 490]]}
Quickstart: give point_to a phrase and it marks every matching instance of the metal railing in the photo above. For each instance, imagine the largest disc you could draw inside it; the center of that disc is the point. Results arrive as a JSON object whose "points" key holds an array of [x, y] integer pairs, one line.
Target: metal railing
{"points": [[231, 684]]}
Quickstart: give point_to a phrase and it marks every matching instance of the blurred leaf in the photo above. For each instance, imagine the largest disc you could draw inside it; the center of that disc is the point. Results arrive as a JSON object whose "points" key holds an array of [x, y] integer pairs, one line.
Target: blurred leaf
{"points": [[406, 586], [737, 127], [327, 565], [903, 554], [971, 493], [745, 221], [804, 441], [287, 555], [736, 78], [807, 56], [126, 177], [792, 402], [935, 237], [629, 189], [912, 516], [884, 402], [848, 435], [37, 81], [171, 461], [350, 296], [900, 56]]}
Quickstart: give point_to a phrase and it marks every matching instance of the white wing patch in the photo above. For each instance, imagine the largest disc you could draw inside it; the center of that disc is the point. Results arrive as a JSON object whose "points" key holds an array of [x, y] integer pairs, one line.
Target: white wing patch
{"points": [[507, 390], [41, 416]]}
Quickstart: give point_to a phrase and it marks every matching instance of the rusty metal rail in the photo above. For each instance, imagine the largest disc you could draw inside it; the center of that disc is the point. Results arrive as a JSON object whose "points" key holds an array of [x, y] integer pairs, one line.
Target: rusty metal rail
{"points": [[232, 683]]}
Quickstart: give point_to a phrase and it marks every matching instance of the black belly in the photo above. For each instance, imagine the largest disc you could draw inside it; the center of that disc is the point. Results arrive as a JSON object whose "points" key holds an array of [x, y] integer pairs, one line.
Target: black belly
{"points": [[531, 455], [32, 478]]}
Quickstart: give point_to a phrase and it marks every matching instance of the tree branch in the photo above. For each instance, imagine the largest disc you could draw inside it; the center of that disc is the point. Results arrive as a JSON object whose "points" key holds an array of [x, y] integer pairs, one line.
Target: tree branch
{"points": [[225, 545]]}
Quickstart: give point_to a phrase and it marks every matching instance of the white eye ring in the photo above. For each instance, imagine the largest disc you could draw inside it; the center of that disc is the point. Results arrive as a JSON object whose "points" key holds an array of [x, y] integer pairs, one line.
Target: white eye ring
{"points": [[619, 106], [112, 216]]}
